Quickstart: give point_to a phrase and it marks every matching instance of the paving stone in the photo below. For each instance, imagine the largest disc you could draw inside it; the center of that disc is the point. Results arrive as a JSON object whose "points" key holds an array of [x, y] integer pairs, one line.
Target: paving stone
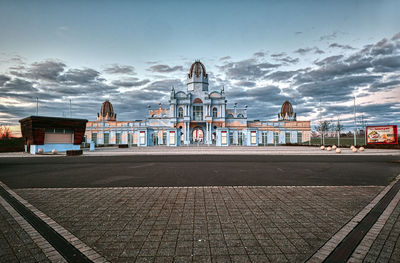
{"points": [[15, 244], [203, 224]]}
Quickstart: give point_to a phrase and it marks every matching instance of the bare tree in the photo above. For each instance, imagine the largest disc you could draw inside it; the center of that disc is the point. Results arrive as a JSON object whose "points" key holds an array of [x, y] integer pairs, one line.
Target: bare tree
{"points": [[5, 132], [323, 127], [339, 127]]}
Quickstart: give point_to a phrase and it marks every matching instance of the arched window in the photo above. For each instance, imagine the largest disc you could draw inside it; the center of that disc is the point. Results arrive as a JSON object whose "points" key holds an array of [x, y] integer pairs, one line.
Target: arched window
{"points": [[180, 112], [240, 115], [215, 113], [197, 100]]}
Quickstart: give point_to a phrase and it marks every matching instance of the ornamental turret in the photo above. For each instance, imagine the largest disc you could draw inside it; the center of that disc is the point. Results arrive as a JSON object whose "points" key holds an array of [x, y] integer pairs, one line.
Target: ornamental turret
{"points": [[106, 112], [197, 79], [287, 113]]}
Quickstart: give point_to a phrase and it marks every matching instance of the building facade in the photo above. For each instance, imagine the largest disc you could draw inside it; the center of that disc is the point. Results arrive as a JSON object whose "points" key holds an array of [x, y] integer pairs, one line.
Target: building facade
{"points": [[51, 133], [197, 116]]}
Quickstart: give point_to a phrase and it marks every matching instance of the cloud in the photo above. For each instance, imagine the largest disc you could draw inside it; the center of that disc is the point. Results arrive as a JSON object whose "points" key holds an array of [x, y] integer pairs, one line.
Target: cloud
{"points": [[225, 58], [79, 76], [396, 36], [336, 45], [328, 60], [278, 55], [328, 36], [335, 89], [130, 82], [281, 75], [164, 68], [378, 86], [165, 85], [304, 51], [120, 69], [246, 83], [4, 79], [255, 81], [18, 86], [259, 54], [386, 64], [249, 69], [48, 70], [289, 60]]}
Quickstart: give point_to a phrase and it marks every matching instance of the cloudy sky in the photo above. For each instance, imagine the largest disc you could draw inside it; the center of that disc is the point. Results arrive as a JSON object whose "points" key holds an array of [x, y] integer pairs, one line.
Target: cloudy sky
{"points": [[262, 52]]}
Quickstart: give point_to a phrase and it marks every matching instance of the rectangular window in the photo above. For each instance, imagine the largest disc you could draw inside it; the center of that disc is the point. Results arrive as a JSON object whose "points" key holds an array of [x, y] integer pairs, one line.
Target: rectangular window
{"points": [[106, 138], [231, 137], [287, 137], [58, 138], [299, 137], [171, 138], [142, 138], [223, 137], [94, 138], [164, 138], [276, 138], [118, 138], [198, 113], [253, 137], [264, 138], [240, 138], [60, 131]]}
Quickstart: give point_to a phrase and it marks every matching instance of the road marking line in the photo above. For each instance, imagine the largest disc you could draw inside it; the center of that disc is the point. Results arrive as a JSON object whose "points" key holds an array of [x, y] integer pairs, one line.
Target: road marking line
{"points": [[90, 253], [322, 253]]}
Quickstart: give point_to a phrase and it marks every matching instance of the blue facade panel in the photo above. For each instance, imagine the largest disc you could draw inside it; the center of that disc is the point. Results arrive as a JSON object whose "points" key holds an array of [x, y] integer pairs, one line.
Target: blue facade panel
{"points": [[59, 147]]}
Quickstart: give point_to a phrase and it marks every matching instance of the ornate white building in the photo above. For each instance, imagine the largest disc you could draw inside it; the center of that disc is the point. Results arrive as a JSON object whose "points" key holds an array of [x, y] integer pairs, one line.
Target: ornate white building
{"points": [[197, 116]]}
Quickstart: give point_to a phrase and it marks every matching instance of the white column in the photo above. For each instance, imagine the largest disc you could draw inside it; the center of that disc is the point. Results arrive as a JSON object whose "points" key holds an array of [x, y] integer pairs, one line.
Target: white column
{"points": [[209, 134], [187, 136], [207, 127]]}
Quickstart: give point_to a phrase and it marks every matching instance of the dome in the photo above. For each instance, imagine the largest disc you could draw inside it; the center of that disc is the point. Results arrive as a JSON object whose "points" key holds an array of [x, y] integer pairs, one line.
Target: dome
{"points": [[287, 113], [198, 69], [286, 108], [107, 112]]}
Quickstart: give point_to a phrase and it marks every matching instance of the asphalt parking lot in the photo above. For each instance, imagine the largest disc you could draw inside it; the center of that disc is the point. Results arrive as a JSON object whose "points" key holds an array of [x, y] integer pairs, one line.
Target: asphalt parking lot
{"points": [[198, 170]]}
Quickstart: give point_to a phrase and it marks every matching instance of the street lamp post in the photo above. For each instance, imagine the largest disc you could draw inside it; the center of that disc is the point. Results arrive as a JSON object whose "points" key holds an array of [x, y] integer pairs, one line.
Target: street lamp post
{"points": [[320, 123], [355, 123], [338, 132], [37, 106]]}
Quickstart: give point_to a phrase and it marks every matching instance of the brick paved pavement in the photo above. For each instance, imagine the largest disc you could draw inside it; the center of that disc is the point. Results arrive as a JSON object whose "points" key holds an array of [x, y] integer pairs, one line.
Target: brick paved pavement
{"points": [[203, 224], [386, 247], [15, 244]]}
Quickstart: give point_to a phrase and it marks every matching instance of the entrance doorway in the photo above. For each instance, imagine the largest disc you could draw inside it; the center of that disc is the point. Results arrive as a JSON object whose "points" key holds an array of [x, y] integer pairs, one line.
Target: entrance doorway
{"points": [[198, 135]]}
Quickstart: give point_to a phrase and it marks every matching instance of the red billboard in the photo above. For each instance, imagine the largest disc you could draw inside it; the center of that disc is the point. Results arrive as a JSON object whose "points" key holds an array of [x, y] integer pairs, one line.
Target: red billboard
{"points": [[386, 134]]}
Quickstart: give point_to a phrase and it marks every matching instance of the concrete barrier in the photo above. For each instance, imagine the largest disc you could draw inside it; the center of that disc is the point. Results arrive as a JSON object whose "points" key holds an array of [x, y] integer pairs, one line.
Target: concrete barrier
{"points": [[74, 152]]}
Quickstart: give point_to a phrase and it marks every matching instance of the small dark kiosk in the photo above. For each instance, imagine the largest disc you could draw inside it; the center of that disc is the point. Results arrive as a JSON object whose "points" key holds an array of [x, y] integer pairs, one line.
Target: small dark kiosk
{"points": [[45, 134]]}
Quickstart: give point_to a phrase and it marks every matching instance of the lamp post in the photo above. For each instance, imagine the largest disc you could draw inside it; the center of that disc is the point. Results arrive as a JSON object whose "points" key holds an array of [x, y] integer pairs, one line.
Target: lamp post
{"points": [[338, 131], [320, 123], [355, 123]]}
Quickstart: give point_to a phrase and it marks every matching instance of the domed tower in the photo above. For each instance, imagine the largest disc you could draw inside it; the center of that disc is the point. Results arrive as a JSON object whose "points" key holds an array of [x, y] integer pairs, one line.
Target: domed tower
{"points": [[287, 113], [106, 112], [197, 79]]}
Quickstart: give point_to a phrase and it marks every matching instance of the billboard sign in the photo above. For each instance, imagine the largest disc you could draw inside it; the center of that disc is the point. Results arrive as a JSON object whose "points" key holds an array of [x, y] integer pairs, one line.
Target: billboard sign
{"points": [[382, 134]]}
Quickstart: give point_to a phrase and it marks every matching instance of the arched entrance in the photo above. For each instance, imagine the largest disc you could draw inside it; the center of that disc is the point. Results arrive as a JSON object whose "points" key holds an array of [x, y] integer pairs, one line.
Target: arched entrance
{"points": [[198, 135]]}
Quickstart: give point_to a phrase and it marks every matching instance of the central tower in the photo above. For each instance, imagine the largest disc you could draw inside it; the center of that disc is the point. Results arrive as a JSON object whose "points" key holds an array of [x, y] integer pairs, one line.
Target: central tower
{"points": [[197, 79]]}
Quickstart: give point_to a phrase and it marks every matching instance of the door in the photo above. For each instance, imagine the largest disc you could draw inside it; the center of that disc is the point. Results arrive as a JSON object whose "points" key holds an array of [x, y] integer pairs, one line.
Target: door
{"points": [[198, 135], [106, 138]]}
